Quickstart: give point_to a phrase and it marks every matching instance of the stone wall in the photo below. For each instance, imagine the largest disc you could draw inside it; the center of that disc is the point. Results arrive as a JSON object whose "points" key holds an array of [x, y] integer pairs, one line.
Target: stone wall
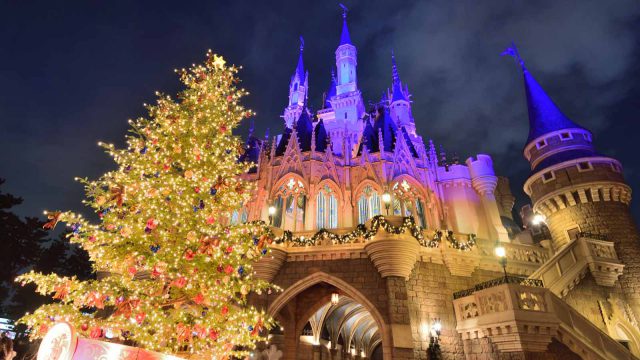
{"points": [[614, 220], [430, 291]]}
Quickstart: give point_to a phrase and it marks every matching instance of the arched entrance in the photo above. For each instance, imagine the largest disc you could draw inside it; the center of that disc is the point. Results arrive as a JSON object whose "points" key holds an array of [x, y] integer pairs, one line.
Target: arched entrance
{"points": [[314, 328]]}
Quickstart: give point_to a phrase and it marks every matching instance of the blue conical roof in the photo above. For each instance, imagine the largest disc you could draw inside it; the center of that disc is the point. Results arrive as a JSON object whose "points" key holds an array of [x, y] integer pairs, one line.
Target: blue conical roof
{"points": [[332, 90], [345, 38], [544, 115], [389, 129], [321, 136], [369, 138], [304, 130], [300, 67]]}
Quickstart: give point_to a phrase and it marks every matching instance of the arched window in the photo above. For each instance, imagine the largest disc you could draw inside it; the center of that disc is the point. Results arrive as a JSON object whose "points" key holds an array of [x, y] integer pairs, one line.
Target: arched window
{"points": [[290, 203], [368, 204], [326, 209], [408, 202]]}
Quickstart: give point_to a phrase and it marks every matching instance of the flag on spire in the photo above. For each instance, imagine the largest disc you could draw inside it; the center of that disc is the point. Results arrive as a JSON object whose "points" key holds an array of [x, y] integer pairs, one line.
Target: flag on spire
{"points": [[345, 38]]}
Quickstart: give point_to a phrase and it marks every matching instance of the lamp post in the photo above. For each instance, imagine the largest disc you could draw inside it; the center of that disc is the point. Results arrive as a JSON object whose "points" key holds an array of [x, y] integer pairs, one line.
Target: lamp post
{"points": [[386, 199], [501, 253], [272, 211], [538, 219]]}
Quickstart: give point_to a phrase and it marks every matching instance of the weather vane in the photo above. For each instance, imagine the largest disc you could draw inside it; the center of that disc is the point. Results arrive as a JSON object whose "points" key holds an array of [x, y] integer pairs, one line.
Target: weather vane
{"points": [[513, 52], [344, 10]]}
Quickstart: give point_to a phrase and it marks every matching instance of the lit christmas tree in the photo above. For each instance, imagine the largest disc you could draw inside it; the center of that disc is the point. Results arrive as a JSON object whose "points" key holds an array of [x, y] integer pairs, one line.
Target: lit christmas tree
{"points": [[177, 274]]}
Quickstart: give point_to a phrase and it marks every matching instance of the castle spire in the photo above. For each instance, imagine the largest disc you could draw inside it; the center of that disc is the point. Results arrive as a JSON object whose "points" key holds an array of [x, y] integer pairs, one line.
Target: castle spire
{"points": [[544, 115], [397, 91], [300, 67], [345, 38]]}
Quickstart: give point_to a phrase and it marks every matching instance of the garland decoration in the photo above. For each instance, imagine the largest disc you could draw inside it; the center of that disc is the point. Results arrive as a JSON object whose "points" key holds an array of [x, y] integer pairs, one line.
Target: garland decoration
{"points": [[360, 232], [462, 246]]}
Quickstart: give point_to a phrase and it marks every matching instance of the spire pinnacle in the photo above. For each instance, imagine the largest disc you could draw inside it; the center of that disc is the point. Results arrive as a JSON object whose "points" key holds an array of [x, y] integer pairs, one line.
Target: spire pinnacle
{"points": [[544, 115], [397, 92], [345, 38], [300, 68], [394, 68]]}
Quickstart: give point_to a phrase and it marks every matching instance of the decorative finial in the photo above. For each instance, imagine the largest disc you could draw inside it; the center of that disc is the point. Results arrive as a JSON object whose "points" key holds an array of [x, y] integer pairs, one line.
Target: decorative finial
{"points": [[513, 52], [301, 43], [344, 10]]}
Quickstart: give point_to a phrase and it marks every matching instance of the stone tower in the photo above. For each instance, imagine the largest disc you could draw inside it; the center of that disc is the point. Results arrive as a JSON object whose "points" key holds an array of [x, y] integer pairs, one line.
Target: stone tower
{"points": [[579, 191]]}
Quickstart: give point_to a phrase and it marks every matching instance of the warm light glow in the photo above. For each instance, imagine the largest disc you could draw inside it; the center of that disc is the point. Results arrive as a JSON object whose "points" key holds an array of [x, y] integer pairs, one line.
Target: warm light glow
{"points": [[437, 326], [538, 219], [424, 328], [272, 210], [386, 198], [501, 251], [335, 297]]}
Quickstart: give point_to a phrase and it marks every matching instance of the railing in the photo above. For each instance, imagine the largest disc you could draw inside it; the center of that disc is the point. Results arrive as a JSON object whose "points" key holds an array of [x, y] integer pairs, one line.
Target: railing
{"points": [[509, 279], [593, 236]]}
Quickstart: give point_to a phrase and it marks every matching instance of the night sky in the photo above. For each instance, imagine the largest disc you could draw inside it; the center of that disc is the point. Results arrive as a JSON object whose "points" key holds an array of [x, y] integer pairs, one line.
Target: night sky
{"points": [[72, 74]]}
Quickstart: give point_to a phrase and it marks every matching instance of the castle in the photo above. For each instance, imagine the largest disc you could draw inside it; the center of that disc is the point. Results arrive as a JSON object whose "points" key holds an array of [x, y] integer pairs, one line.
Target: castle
{"points": [[387, 249]]}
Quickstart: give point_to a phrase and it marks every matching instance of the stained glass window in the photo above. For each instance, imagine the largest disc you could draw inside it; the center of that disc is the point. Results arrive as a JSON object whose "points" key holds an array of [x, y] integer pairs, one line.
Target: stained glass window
{"points": [[327, 209]]}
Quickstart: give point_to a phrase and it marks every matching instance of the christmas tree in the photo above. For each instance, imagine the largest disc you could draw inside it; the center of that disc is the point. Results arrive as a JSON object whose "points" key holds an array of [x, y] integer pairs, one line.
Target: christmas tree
{"points": [[175, 274]]}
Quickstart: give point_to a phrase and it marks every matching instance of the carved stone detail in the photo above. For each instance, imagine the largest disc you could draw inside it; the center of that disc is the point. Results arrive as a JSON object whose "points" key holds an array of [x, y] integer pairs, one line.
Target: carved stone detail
{"points": [[268, 266]]}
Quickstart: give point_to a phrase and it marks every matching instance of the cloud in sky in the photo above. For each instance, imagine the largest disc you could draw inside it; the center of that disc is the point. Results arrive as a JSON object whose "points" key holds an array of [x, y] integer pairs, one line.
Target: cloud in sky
{"points": [[73, 76]]}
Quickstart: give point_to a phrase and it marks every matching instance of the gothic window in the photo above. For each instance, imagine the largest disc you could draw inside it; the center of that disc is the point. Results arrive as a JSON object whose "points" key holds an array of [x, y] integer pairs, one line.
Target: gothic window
{"points": [[368, 204], [407, 202], [326, 209], [290, 203], [234, 217], [295, 87]]}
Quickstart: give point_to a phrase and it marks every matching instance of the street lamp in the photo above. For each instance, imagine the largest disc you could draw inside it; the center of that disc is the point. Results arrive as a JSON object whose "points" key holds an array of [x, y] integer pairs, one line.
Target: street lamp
{"points": [[272, 211], [501, 253], [386, 199], [433, 351]]}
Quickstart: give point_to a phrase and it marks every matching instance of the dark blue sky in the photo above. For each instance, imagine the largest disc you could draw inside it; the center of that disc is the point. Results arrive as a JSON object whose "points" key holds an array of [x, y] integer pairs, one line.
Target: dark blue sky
{"points": [[72, 73]]}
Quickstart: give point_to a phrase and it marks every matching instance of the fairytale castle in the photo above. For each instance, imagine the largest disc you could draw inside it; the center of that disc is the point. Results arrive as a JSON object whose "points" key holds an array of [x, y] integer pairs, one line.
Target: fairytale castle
{"points": [[387, 249]]}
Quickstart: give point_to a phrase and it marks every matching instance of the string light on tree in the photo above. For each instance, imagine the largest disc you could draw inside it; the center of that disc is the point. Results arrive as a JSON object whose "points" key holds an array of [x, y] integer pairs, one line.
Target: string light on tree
{"points": [[175, 275]]}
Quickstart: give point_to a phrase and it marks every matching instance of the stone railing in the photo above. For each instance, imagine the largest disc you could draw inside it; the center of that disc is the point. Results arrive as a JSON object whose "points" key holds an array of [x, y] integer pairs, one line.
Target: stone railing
{"points": [[522, 259], [522, 318], [569, 265]]}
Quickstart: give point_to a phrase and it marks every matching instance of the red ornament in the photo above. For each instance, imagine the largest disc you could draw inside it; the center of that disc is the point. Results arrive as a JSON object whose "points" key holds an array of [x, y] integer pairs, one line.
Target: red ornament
{"points": [[152, 223], [96, 332], [196, 189], [132, 270], [179, 282], [84, 327], [225, 310], [198, 299], [228, 269], [189, 255], [213, 334], [229, 249], [223, 128], [140, 317], [229, 98]]}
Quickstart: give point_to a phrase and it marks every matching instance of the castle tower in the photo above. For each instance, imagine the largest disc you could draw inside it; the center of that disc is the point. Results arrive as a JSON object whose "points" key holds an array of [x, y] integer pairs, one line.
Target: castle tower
{"points": [[298, 91], [575, 188], [343, 122], [399, 103]]}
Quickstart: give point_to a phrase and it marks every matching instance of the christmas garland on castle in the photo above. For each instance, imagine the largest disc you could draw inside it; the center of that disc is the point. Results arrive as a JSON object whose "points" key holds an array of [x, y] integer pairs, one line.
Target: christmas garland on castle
{"points": [[178, 275]]}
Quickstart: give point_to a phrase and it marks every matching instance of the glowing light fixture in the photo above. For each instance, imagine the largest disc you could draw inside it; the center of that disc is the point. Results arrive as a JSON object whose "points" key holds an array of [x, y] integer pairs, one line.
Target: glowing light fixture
{"points": [[335, 297], [501, 253], [538, 219], [386, 199]]}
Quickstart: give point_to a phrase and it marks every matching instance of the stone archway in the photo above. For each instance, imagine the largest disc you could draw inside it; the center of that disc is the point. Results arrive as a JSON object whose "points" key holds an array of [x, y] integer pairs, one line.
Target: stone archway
{"points": [[314, 292]]}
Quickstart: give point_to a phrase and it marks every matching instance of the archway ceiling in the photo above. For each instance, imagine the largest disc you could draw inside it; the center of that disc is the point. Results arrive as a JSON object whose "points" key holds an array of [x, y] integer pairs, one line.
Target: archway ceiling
{"points": [[350, 319]]}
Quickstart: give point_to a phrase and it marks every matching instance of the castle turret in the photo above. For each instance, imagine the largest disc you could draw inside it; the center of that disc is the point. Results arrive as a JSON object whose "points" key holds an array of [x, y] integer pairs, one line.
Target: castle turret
{"points": [[298, 90], [576, 189], [346, 61]]}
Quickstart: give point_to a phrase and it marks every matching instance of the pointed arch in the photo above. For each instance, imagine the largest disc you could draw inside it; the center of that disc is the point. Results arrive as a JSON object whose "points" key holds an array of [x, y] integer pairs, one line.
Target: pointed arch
{"points": [[321, 277]]}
